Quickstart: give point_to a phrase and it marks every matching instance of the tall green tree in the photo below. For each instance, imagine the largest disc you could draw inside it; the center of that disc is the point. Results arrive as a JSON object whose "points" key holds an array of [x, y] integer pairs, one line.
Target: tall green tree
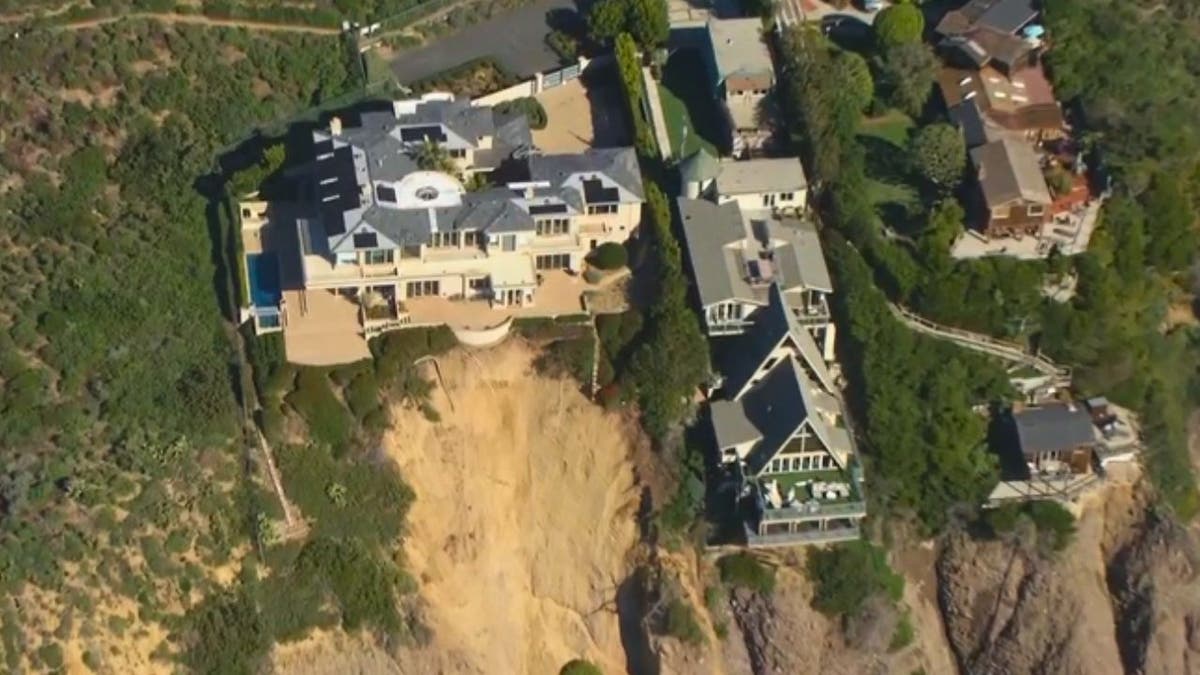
{"points": [[647, 21], [939, 153], [898, 24], [1171, 223], [606, 20], [905, 73], [852, 71]]}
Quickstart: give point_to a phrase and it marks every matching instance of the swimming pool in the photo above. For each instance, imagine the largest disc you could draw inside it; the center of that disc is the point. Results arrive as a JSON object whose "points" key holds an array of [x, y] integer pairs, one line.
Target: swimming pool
{"points": [[263, 272]]}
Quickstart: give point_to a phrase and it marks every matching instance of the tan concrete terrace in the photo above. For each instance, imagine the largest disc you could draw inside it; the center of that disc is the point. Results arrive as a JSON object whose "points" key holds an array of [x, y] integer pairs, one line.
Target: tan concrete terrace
{"points": [[324, 328]]}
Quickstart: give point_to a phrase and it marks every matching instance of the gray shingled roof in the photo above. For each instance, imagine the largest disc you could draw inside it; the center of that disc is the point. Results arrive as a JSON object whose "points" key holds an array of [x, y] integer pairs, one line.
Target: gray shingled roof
{"points": [[777, 406], [730, 424], [721, 240], [772, 325], [618, 164], [374, 151], [708, 228], [1053, 427], [1008, 170]]}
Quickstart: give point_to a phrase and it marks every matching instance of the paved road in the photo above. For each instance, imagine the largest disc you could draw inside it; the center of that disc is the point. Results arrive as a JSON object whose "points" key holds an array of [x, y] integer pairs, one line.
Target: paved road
{"points": [[794, 12], [516, 39]]}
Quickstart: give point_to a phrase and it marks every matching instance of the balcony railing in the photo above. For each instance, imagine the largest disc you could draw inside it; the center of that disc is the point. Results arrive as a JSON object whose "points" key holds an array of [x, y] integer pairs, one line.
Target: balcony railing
{"points": [[755, 540], [815, 510]]}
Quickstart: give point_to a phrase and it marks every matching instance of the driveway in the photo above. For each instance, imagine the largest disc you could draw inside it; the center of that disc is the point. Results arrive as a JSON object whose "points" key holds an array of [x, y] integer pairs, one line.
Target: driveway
{"points": [[793, 12], [516, 40]]}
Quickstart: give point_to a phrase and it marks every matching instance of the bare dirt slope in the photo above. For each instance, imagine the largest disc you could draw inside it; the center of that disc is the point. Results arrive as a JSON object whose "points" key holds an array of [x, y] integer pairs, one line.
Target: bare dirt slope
{"points": [[524, 519]]}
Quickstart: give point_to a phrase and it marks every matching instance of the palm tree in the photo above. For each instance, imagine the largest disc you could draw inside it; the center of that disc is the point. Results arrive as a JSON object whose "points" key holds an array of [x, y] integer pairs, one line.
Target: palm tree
{"points": [[431, 156]]}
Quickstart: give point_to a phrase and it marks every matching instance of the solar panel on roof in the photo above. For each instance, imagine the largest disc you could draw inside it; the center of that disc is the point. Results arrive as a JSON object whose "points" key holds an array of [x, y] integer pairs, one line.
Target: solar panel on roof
{"points": [[543, 209], [366, 240], [430, 133], [385, 193], [594, 192]]}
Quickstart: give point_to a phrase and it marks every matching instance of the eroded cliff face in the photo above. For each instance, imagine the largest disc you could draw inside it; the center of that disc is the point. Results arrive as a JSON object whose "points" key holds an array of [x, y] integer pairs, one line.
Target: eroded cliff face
{"points": [[1122, 598]]}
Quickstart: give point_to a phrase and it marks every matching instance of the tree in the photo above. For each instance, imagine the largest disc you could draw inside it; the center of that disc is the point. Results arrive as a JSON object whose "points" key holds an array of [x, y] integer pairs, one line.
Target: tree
{"points": [[648, 22], [431, 156], [606, 20], [846, 576], [855, 75], [939, 154], [905, 75], [898, 25], [1169, 220]]}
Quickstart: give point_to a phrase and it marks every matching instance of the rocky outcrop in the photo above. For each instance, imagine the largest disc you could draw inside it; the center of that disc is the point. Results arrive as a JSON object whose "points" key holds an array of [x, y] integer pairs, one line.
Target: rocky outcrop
{"points": [[1121, 599], [1153, 580]]}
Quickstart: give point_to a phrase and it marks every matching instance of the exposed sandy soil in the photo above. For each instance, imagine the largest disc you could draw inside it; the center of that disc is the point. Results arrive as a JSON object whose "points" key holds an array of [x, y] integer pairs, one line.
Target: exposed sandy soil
{"points": [[524, 519]]}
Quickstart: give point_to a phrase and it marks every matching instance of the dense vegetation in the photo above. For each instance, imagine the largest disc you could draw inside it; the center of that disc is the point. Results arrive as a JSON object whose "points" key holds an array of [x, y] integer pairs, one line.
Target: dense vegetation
{"points": [[125, 474], [1140, 254], [846, 577], [1052, 522], [328, 13]]}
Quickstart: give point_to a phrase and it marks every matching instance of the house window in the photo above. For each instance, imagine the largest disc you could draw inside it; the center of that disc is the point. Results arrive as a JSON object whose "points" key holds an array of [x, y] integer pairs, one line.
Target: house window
{"points": [[787, 196], [347, 258], [795, 464], [768, 200], [556, 261], [600, 209], [775, 466], [553, 226], [770, 363], [469, 239], [1036, 209], [457, 154], [416, 289], [478, 283], [508, 242], [444, 240], [1000, 213], [380, 256]]}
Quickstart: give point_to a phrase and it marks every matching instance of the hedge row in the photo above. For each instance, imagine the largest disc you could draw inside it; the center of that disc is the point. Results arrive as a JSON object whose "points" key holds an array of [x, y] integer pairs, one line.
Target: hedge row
{"points": [[630, 68]]}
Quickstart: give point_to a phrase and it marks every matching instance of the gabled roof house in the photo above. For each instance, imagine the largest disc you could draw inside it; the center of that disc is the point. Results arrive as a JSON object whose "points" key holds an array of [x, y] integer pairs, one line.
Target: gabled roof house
{"points": [[736, 256]]}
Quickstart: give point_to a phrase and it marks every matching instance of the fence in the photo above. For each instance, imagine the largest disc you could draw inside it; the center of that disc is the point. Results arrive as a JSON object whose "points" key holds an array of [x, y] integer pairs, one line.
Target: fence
{"points": [[539, 82]]}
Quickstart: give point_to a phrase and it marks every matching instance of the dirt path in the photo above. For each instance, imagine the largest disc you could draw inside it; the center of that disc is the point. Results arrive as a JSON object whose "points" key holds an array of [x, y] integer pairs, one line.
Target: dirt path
{"points": [[173, 18]]}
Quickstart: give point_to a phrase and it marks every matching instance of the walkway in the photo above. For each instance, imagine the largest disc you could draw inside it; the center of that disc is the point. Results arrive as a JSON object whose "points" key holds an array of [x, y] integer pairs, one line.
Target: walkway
{"points": [[172, 17], [658, 120], [1009, 351]]}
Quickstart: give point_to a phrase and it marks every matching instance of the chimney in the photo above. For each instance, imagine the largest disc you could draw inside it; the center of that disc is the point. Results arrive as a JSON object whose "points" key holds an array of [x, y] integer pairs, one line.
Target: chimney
{"points": [[335, 126]]}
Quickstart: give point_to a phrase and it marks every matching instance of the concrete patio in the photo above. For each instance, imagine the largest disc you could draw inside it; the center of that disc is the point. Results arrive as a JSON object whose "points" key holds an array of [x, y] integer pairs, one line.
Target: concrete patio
{"points": [[322, 329]]}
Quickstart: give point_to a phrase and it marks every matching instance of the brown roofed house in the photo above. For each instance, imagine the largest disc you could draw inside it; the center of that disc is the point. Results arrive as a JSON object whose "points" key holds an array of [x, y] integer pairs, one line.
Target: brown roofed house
{"points": [[1014, 195], [1023, 103]]}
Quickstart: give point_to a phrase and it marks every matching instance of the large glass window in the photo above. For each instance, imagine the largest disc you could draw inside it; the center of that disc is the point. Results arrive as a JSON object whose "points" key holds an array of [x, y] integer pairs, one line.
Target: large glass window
{"points": [[380, 256], [416, 289], [556, 261], [553, 226], [599, 209]]}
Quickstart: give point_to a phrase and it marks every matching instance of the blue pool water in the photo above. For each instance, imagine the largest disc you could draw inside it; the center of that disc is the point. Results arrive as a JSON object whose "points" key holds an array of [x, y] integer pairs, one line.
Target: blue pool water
{"points": [[263, 272]]}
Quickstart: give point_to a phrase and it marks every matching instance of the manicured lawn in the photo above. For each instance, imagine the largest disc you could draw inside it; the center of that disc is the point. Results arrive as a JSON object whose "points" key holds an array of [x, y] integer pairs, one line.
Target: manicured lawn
{"points": [[892, 126], [687, 102]]}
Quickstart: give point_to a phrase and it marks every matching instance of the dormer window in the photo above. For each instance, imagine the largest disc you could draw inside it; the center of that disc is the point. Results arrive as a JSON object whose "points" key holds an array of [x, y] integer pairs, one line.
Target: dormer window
{"points": [[385, 194]]}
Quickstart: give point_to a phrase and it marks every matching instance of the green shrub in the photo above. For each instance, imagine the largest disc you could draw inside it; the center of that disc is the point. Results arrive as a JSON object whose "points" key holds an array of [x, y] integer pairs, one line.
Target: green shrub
{"points": [[562, 44], [528, 106], [1053, 521], [572, 356], [682, 624], [609, 256], [51, 655], [846, 575], [743, 570], [225, 634], [328, 421], [580, 667], [363, 584], [905, 633]]}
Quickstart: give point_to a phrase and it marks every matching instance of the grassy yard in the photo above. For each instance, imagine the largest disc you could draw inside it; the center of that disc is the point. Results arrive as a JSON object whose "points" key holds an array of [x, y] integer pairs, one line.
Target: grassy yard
{"points": [[892, 126], [687, 103]]}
